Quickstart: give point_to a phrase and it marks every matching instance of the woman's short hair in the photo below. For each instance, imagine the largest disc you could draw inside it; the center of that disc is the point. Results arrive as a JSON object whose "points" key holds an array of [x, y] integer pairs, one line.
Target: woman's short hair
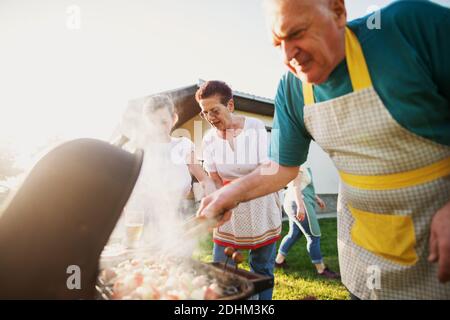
{"points": [[158, 102], [212, 88]]}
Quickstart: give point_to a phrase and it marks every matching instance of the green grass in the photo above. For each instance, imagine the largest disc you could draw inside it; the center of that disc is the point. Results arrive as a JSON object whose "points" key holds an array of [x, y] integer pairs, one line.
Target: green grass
{"points": [[300, 280]]}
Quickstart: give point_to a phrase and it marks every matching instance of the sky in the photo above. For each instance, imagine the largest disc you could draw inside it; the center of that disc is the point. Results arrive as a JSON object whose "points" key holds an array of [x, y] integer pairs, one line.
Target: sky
{"points": [[68, 68]]}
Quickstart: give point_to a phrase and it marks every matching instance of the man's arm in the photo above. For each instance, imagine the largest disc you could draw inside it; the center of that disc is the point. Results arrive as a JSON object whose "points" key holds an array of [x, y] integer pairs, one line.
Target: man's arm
{"points": [[265, 179]]}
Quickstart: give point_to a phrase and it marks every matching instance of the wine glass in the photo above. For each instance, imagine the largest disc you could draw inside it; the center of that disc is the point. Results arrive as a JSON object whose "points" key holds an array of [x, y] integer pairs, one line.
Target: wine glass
{"points": [[134, 227]]}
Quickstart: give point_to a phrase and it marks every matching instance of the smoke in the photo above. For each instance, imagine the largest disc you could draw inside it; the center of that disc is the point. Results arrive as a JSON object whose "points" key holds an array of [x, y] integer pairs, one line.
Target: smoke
{"points": [[160, 188]]}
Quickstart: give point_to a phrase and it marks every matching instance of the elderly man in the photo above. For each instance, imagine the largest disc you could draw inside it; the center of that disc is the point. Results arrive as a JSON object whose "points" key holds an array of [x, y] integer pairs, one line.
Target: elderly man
{"points": [[377, 101]]}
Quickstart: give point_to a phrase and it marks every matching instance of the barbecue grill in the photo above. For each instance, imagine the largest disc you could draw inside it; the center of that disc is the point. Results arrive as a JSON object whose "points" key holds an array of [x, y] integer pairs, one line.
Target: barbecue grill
{"points": [[63, 215], [237, 284]]}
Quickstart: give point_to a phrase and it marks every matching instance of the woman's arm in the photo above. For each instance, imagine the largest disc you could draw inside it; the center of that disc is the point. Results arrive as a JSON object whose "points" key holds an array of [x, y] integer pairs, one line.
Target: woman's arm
{"points": [[208, 184], [298, 197], [218, 182]]}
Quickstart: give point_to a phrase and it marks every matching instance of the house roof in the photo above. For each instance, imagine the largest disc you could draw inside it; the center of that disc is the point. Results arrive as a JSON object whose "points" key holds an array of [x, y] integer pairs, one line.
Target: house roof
{"points": [[187, 107]]}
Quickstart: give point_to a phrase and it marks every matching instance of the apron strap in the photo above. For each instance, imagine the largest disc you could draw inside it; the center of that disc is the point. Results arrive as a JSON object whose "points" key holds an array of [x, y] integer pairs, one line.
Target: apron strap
{"points": [[356, 63], [406, 179], [308, 93], [357, 68]]}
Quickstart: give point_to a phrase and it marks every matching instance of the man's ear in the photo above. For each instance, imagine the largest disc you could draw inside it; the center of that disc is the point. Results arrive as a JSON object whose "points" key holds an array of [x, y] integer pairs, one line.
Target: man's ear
{"points": [[174, 119], [340, 12], [230, 105]]}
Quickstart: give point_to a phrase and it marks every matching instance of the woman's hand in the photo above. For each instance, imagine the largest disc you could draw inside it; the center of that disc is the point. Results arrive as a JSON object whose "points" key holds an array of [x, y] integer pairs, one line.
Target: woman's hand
{"points": [[320, 203], [208, 186], [300, 211]]}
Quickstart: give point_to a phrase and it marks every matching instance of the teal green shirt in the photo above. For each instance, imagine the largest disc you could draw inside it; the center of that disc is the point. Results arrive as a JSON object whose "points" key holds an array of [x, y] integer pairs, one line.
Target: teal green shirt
{"points": [[409, 63]]}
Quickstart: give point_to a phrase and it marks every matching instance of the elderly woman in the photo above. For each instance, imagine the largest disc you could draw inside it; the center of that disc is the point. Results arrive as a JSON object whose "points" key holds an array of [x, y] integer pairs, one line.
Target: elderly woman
{"points": [[234, 147]]}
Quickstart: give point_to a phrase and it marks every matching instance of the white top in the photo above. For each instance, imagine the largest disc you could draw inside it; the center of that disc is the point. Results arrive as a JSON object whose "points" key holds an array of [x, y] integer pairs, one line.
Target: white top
{"points": [[305, 180], [250, 150], [167, 162], [164, 180], [253, 223]]}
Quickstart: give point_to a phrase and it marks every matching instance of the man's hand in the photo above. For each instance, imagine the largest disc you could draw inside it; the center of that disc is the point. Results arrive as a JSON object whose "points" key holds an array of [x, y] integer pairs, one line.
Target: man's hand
{"points": [[218, 205], [440, 242], [260, 182]]}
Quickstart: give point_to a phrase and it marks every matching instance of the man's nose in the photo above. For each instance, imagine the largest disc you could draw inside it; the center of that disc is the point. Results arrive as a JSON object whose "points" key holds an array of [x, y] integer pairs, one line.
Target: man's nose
{"points": [[288, 51]]}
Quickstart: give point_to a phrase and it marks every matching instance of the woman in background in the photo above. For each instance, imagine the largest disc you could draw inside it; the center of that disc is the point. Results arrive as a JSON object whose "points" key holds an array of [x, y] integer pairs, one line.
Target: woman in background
{"points": [[299, 205]]}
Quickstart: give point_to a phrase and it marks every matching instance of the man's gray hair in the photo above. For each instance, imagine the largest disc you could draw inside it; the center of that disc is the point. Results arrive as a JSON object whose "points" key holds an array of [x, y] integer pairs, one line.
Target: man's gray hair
{"points": [[267, 4]]}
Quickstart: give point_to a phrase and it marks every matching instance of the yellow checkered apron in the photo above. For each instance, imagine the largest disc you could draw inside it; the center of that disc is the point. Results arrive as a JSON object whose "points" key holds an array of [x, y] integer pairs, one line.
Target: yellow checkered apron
{"points": [[392, 183]]}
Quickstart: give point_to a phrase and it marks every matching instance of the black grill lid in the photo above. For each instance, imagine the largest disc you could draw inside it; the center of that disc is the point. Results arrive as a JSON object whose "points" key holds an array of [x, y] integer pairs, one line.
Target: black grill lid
{"points": [[63, 215]]}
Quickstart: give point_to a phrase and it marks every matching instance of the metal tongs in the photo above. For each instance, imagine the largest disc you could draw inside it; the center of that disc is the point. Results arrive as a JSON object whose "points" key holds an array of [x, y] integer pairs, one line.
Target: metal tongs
{"points": [[199, 225]]}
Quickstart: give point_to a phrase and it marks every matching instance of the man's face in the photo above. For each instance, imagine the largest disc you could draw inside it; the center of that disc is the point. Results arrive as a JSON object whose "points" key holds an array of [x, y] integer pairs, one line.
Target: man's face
{"points": [[215, 112], [310, 34]]}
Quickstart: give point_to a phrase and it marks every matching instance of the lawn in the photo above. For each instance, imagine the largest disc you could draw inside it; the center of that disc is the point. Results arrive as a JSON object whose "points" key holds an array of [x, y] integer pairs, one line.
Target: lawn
{"points": [[300, 280]]}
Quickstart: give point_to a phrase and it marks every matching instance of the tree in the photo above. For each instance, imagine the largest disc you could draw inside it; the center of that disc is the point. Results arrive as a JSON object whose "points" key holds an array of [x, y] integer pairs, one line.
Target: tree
{"points": [[7, 163]]}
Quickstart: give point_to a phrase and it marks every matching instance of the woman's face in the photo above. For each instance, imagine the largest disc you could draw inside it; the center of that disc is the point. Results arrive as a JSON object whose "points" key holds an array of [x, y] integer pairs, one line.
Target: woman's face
{"points": [[216, 113], [160, 123]]}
